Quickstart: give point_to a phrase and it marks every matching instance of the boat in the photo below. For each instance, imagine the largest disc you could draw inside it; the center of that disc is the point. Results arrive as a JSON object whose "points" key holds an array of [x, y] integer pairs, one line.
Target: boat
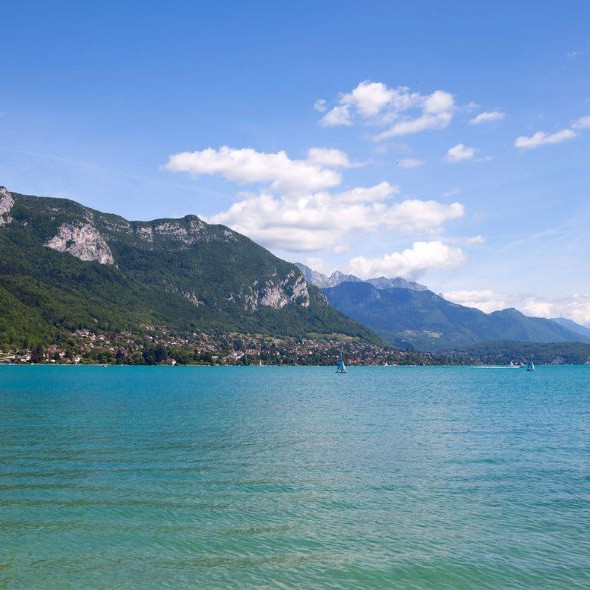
{"points": [[340, 366], [530, 366]]}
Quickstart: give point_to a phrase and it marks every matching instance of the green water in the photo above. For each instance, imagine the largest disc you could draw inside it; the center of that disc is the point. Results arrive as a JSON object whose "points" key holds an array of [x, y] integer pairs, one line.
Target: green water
{"points": [[265, 477]]}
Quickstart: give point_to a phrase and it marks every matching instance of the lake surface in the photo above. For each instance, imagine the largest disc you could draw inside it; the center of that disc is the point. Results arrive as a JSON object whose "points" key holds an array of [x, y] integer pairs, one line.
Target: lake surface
{"points": [[262, 477]]}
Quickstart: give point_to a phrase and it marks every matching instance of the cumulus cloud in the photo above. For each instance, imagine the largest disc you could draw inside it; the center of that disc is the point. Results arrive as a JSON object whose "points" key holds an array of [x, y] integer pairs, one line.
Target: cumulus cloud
{"points": [[410, 263], [298, 207], [247, 166], [337, 117], [410, 163], [460, 153], [541, 138], [326, 221], [369, 98], [374, 103], [487, 117]]}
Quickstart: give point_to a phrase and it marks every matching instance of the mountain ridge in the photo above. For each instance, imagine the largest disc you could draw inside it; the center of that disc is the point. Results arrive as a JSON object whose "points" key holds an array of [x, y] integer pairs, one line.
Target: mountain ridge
{"points": [[336, 278], [65, 266], [424, 321]]}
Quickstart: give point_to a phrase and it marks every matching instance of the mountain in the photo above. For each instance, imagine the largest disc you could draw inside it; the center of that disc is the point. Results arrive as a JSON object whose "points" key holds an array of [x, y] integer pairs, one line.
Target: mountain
{"points": [[336, 278], [64, 266], [573, 326], [313, 277], [397, 283], [425, 321]]}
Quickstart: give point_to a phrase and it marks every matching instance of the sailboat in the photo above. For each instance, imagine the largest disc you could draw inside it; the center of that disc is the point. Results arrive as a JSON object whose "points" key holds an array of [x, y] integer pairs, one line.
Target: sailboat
{"points": [[530, 365], [340, 366]]}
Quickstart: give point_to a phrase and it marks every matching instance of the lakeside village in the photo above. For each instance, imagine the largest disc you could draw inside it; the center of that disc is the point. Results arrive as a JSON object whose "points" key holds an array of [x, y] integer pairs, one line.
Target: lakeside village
{"points": [[160, 347]]}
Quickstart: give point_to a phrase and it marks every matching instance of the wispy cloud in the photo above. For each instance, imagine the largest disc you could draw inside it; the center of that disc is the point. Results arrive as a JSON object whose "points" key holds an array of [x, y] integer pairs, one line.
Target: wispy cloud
{"points": [[541, 138], [320, 105], [487, 117], [410, 163]]}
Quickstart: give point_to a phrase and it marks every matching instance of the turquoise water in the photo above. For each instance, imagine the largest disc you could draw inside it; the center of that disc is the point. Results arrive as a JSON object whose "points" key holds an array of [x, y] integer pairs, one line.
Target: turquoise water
{"points": [[265, 477]]}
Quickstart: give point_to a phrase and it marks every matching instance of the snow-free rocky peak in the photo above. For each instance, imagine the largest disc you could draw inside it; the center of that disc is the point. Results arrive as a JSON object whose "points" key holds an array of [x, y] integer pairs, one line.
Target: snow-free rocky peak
{"points": [[6, 204], [82, 241]]}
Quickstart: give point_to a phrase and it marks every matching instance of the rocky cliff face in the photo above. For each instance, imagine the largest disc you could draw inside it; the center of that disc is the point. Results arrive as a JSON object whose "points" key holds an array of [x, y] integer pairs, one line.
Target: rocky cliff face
{"points": [[186, 232], [6, 204], [82, 241], [292, 290]]}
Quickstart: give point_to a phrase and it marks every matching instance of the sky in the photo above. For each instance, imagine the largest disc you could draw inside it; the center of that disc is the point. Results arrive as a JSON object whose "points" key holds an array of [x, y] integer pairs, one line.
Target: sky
{"points": [[447, 143]]}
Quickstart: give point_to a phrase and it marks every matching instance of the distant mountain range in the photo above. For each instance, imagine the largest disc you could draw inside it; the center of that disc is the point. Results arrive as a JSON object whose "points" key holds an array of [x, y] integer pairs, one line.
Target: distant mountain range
{"points": [[64, 266], [573, 326], [336, 278], [408, 315]]}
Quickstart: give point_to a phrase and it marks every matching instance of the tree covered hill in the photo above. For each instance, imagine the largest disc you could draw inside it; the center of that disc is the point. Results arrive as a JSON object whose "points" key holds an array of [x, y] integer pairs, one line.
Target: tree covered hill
{"points": [[64, 266]]}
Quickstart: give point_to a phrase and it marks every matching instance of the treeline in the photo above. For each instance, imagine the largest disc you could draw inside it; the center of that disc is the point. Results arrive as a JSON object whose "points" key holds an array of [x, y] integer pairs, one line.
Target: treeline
{"points": [[503, 352]]}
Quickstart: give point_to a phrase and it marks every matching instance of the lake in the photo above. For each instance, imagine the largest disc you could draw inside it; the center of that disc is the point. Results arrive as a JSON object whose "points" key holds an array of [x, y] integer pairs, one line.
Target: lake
{"points": [[293, 477]]}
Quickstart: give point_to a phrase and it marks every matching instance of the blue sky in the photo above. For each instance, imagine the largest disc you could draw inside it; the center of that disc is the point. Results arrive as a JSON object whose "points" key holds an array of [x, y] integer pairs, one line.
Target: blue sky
{"points": [[128, 109]]}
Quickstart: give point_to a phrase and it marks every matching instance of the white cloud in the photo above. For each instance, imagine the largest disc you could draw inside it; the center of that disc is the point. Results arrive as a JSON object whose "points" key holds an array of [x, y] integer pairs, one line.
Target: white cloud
{"points": [[475, 240], [460, 153], [376, 104], [338, 116], [439, 102], [582, 123], [370, 98], [574, 54], [486, 299], [422, 123], [410, 263], [320, 105], [541, 138], [329, 221], [379, 192], [328, 157], [576, 307], [295, 211], [487, 117], [410, 163], [246, 166], [535, 308]]}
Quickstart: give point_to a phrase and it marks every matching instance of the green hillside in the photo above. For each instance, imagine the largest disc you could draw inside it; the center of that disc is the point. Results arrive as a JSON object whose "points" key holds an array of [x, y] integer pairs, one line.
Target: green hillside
{"points": [[116, 275]]}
